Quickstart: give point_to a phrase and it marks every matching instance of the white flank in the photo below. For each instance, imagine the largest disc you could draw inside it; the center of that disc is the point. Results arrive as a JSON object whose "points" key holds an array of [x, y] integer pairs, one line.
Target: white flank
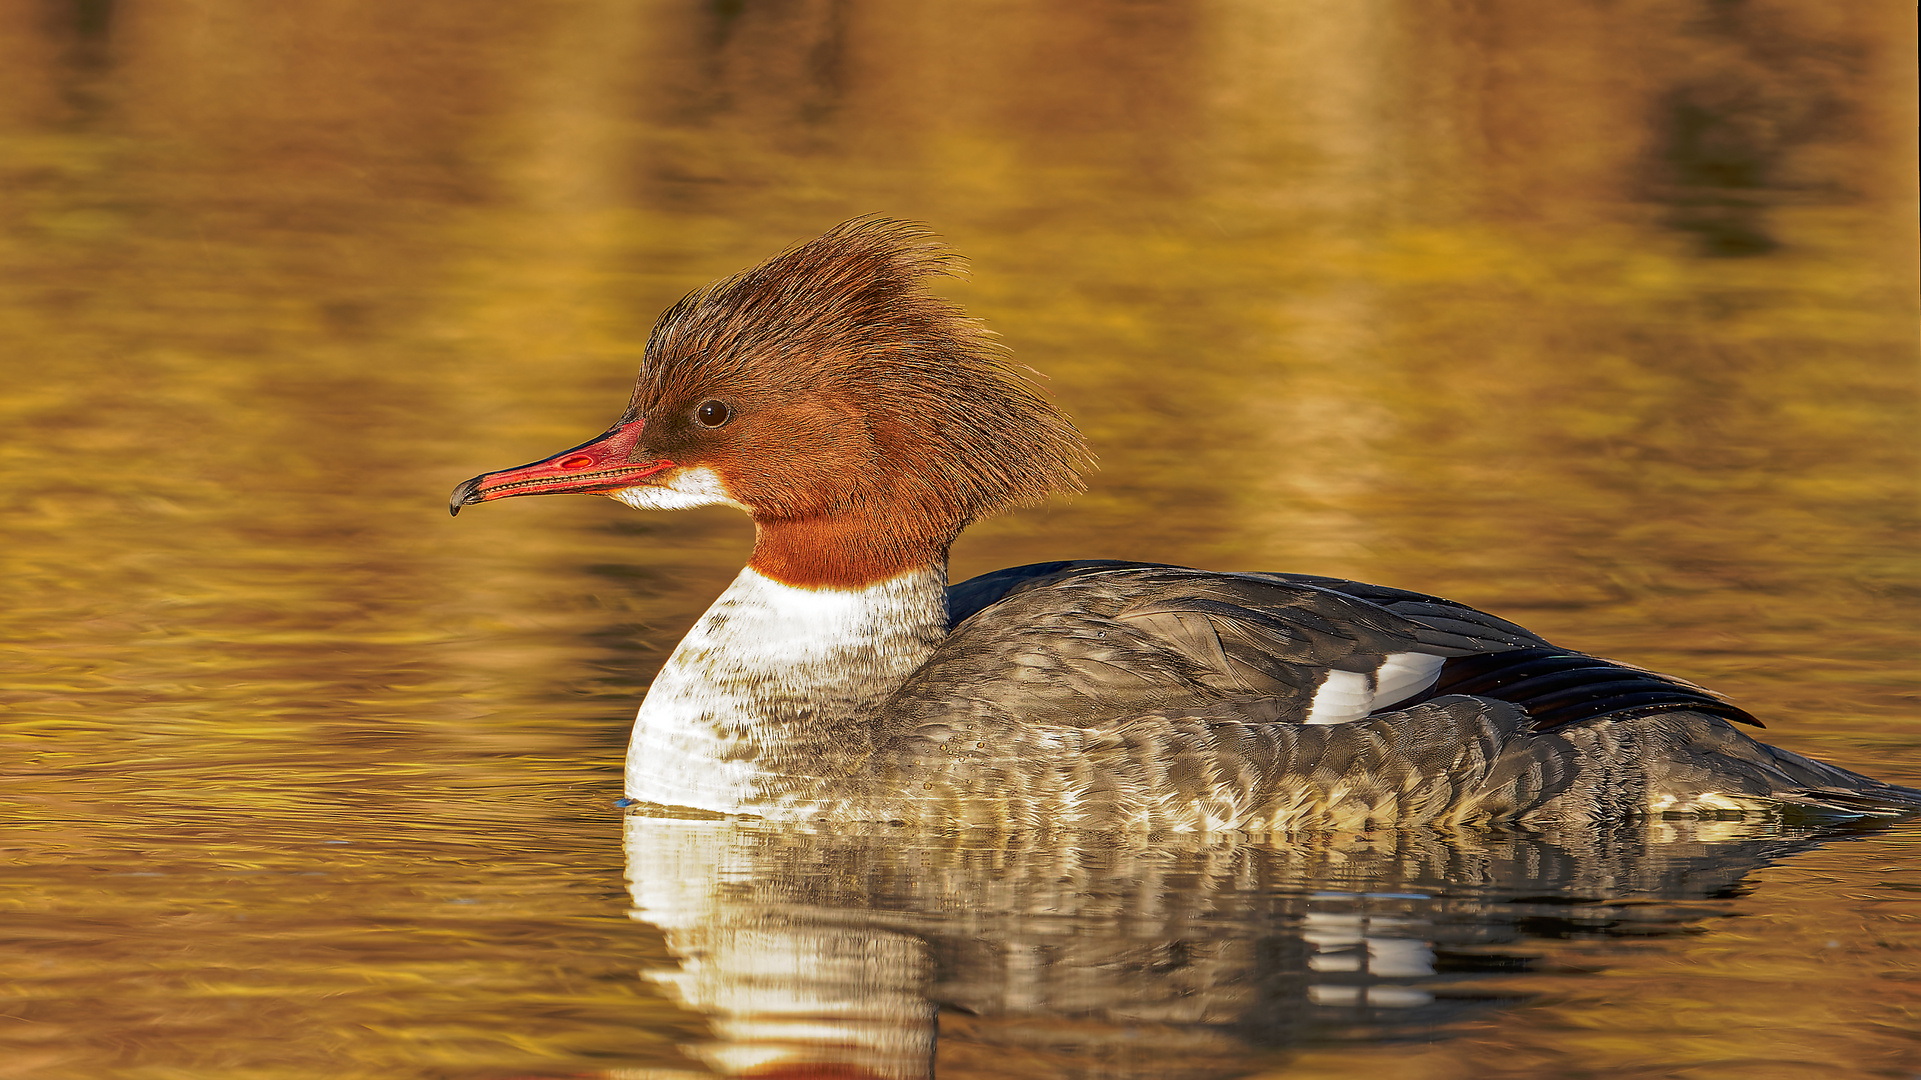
{"points": [[764, 661]]}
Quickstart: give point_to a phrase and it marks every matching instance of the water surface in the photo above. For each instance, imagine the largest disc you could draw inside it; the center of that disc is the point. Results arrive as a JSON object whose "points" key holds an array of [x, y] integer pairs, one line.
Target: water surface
{"points": [[1602, 318]]}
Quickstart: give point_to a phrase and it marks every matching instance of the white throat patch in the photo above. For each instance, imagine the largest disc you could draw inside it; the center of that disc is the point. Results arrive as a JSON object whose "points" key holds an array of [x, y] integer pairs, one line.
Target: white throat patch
{"points": [[681, 488]]}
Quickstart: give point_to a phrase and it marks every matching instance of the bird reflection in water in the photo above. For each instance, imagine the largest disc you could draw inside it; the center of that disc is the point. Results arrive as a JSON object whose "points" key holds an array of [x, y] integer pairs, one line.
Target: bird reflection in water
{"points": [[868, 952]]}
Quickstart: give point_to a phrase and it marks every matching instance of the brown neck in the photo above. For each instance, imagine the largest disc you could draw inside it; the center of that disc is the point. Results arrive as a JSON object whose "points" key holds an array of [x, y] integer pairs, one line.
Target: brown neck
{"points": [[841, 551]]}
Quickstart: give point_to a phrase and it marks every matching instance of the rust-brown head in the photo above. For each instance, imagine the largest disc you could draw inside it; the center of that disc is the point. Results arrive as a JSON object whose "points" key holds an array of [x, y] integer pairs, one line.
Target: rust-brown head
{"points": [[862, 422]]}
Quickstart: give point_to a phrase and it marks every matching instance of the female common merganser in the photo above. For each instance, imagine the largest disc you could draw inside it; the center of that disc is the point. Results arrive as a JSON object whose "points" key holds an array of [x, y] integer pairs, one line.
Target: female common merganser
{"points": [[864, 423]]}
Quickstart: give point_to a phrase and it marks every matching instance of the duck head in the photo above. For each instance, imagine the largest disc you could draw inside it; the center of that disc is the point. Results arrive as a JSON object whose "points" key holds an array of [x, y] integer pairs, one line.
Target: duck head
{"points": [[861, 422]]}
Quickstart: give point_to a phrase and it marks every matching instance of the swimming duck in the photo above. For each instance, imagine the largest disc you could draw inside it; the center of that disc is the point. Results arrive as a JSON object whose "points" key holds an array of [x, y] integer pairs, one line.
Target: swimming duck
{"points": [[863, 423]]}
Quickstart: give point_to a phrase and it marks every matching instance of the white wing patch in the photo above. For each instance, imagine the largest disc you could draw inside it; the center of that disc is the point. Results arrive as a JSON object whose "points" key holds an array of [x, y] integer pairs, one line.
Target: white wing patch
{"points": [[1404, 674], [1346, 696], [1343, 696]]}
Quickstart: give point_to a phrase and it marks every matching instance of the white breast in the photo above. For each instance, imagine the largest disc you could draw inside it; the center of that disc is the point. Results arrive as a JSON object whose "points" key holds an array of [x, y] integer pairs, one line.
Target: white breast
{"points": [[768, 667]]}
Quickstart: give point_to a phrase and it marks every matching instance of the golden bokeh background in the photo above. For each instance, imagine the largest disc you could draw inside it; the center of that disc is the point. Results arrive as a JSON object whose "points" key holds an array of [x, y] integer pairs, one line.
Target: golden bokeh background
{"points": [[1599, 315]]}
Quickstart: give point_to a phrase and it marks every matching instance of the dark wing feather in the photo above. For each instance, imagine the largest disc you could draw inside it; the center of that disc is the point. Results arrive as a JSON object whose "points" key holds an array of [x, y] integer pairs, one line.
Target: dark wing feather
{"points": [[1558, 687], [1089, 641], [1084, 643], [970, 596]]}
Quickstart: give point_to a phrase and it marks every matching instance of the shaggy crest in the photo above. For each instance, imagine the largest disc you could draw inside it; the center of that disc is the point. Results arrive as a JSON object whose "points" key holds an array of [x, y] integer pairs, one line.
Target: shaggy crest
{"points": [[943, 428]]}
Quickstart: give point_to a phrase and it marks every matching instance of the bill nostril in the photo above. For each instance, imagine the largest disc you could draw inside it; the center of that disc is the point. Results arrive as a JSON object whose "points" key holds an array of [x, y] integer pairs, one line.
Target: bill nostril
{"points": [[578, 461]]}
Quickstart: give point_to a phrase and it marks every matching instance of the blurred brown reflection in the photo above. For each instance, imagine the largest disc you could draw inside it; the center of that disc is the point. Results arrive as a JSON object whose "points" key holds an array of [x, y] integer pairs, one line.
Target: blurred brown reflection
{"points": [[844, 955], [1433, 295]]}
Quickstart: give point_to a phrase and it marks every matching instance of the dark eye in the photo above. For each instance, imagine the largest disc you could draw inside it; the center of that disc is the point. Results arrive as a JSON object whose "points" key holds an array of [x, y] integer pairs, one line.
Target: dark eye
{"points": [[713, 413]]}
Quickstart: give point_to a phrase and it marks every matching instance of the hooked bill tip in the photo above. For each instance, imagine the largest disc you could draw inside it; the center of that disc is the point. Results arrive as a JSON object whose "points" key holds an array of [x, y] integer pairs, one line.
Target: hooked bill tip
{"points": [[466, 494]]}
